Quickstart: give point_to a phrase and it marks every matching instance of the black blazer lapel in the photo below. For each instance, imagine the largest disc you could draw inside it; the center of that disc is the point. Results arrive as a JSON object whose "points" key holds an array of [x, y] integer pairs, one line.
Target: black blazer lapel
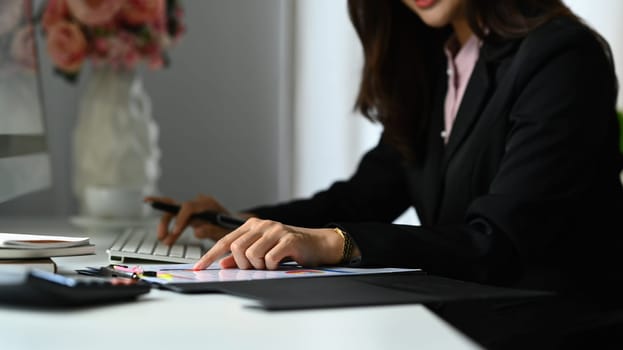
{"points": [[429, 177], [478, 91], [472, 103], [426, 176]]}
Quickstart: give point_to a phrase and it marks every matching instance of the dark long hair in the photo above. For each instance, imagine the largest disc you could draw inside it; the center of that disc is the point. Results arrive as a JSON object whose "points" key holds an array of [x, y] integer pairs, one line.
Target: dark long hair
{"points": [[403, 57]]}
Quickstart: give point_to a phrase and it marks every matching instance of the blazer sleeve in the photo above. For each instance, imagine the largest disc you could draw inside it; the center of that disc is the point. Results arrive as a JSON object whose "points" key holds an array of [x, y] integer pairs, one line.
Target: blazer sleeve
{"points": [[377, 191]]}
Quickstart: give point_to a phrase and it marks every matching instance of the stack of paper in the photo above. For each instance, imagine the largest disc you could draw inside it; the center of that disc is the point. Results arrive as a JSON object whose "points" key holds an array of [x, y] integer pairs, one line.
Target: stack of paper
{"points": [[28, 246], [46, 264]]}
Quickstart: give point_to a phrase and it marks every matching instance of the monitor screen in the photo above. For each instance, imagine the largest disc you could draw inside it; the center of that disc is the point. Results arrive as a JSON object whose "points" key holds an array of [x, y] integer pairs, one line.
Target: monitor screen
{"points": [[24, 159]]}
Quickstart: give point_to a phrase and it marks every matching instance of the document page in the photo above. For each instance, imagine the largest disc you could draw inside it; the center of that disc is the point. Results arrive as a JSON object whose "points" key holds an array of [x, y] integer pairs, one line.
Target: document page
{"points": [[183, 273]]}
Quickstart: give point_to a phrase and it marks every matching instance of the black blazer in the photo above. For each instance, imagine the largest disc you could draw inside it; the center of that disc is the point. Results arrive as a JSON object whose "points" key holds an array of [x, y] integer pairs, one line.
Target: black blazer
{"points": [[526, 192]]}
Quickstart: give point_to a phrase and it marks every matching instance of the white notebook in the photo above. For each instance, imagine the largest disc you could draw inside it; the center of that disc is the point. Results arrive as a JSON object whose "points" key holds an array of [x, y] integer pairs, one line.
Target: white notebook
{"points": [[29, 246]]}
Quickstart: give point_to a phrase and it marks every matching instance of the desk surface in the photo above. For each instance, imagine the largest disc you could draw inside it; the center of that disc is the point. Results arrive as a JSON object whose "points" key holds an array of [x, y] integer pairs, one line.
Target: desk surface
{"points": [[166, 320]]}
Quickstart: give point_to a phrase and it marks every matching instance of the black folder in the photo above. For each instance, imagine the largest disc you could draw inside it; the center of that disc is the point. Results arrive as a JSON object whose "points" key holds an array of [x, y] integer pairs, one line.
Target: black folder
{"points": [[342, 291]]}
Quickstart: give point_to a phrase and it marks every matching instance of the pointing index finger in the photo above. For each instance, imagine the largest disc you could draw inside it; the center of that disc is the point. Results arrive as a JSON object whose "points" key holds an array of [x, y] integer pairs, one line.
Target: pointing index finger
{"points": [[221, 247]]}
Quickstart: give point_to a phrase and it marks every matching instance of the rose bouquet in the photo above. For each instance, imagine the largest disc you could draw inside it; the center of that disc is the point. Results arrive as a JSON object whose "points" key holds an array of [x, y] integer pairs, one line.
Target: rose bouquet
{"points": [[115, 33]]}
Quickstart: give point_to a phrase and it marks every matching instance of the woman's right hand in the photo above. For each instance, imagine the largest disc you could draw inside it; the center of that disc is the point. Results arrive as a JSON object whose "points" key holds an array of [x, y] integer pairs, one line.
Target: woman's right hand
{"points": [[202, 229]]}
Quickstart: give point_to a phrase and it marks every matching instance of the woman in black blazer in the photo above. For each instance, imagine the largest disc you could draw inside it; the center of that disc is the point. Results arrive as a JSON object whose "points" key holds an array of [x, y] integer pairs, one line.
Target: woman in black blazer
{"points": [[525, 189]]}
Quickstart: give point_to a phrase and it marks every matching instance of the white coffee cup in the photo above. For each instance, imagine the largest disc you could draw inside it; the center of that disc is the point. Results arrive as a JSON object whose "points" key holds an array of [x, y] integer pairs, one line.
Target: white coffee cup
{"points": [[114, 202]]}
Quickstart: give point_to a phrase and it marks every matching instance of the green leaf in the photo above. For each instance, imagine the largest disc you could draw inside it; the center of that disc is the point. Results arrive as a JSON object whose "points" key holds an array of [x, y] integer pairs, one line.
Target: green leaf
{"points": [[71, 77]]}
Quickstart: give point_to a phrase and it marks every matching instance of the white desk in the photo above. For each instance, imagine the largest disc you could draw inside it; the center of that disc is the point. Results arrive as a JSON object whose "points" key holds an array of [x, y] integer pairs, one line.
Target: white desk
{"points": [[166, 320]]}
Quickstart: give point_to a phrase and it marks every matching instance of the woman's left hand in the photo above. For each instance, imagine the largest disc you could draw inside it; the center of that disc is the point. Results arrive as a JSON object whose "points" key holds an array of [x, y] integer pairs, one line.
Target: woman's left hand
{"points": [[263, 244]]}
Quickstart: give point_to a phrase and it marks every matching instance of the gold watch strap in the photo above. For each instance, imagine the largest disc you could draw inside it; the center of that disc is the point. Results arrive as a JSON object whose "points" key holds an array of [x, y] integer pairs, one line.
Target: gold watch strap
{"points": [[347, 251]]}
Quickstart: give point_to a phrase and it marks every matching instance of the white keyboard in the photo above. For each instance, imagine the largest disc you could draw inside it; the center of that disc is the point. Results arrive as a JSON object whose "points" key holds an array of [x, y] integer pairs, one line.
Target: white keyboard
{"points": [[141, 243]]}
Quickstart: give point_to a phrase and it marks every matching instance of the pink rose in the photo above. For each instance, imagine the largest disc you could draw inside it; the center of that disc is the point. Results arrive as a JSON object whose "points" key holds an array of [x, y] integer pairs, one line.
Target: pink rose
{"points": [[67, 46], [118, 51], [101, 45], [131, 58], [55, 11], [145, 11], [94, 12], [156, 62]]}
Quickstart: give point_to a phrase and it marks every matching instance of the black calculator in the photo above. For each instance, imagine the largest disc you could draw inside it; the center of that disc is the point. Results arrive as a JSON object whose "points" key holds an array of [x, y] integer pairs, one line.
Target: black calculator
{"points": [[41, 288]]}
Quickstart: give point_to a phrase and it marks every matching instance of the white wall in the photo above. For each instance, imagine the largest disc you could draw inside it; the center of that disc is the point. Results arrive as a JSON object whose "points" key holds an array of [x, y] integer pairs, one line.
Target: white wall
{"points": [[605, 16], [328, 137], [223, 107]]}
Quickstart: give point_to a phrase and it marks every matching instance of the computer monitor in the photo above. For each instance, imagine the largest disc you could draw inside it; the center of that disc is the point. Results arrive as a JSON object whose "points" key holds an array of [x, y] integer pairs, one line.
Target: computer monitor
{"points": [[24, 159]]}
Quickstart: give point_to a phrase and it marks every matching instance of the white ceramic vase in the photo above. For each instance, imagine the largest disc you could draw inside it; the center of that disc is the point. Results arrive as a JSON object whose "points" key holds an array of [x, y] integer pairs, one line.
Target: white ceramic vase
{"points": [[115, 144]]}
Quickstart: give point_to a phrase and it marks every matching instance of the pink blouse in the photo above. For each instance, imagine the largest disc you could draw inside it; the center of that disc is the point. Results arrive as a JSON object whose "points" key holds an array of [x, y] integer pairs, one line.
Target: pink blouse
{"points": [[461, 62]]}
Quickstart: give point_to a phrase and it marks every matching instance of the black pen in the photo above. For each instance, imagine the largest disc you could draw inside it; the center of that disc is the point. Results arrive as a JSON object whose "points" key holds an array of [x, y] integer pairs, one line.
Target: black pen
{"points": [[210, 216], [133, 272], [106, 271], [121, 273], [148, 274]]}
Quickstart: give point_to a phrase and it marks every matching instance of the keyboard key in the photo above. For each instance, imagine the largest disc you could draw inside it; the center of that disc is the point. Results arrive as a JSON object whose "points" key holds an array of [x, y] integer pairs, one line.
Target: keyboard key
{"points": [[148, 245], [193, 252], [161, 249], [120, 241], [142, 243], [133, 242], [177, 250]]}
